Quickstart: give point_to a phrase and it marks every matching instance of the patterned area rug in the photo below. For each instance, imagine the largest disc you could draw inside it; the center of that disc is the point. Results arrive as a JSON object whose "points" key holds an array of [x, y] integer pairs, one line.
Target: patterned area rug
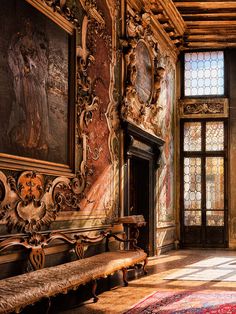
{"points": [[179, 302]]}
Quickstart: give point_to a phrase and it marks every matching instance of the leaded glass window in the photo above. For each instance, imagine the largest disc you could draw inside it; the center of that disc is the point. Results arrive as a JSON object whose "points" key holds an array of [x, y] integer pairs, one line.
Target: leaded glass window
{"points": [[204, 73], [214, 182], [192, 183], [192, 136], [203, 173], [214, 136]]}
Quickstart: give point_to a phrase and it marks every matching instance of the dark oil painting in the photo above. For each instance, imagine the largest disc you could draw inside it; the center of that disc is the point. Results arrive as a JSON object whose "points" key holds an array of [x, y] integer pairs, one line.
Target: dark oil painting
{"points": [[34, 62], [143, 82]]}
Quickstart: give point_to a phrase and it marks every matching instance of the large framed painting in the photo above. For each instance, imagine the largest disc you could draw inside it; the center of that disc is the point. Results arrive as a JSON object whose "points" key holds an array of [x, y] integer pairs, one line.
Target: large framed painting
{"points": [[37, 88]]}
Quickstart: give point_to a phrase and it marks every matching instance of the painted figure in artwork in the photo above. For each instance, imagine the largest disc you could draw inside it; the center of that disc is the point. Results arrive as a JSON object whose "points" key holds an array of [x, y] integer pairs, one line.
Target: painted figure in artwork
{"points": [[28, 62]]}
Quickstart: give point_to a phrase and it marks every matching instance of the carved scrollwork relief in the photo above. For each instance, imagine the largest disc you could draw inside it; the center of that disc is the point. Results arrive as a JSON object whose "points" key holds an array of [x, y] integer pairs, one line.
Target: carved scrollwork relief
{"points": [[60, 7], [204, 107], [67, 194], [87, 101], [30, 202], [144, 71], [89, 20], [92, 109], [138, 26]]}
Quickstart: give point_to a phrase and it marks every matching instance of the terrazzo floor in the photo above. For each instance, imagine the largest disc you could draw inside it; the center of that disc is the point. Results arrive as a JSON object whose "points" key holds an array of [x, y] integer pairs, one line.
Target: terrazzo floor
{"points": [[120, 299]]}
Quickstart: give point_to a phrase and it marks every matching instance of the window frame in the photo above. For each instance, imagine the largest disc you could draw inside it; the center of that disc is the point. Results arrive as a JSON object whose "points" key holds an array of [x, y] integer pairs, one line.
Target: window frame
{"points": [[182, 60]]}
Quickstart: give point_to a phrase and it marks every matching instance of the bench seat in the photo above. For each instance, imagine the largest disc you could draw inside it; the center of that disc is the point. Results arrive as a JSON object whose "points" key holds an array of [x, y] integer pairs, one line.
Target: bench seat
{"points": [[22, 290]]}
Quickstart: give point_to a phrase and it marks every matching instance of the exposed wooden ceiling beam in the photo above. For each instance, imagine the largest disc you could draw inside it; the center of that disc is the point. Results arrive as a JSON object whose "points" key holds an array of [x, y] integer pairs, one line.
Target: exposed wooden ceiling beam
{"points": [[209, 45], [202, 31], [211, 24], [209, 11], [211, 38], [206, 5], [209, 17], [176, 1]]}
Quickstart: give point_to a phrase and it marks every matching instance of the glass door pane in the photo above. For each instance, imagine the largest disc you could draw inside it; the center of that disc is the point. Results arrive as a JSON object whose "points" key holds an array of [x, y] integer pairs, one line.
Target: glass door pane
{"points": [[203, 183], [215, 183], [192, 191], [215, 191], [215, 218]]}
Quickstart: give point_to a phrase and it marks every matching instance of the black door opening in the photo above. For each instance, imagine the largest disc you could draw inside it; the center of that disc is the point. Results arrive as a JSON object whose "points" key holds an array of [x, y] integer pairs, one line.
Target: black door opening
{"points": [[142, 152], [139, 195]]}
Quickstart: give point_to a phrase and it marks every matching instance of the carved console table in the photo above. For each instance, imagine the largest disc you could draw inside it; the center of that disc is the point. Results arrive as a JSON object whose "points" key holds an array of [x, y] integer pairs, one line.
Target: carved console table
{"points": [[133, 223]]}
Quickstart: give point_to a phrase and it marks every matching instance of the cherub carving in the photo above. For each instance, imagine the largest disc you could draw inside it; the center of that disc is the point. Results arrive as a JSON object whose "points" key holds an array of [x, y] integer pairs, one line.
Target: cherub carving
{"points": [[131, 69], [158, 78]]}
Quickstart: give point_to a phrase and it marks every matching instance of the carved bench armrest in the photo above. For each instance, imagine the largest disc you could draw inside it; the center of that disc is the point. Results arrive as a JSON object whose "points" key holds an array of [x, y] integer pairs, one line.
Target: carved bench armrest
{"points": [[92, 240]]}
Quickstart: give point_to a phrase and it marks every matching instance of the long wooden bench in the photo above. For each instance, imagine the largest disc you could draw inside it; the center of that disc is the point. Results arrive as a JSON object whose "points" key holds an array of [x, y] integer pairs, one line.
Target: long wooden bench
{"points": [[19, 291]]}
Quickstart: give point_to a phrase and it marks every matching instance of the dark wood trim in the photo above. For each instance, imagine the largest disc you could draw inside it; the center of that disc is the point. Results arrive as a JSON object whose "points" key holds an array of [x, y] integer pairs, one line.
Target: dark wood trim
{"points": [[72, 156], [66, 231], [151, 152], [226, 180], [204, 230], [141, 134], [133, 132]]}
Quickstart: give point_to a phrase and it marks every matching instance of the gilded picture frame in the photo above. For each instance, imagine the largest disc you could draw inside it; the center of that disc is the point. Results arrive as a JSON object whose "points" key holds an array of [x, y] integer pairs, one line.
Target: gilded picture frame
{"points": [[37, 93]]}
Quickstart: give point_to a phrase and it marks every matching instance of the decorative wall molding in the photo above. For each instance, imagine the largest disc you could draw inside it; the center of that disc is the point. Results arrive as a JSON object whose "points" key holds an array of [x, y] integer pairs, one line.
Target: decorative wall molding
{"points": [[32, 201], [167, 24], [60, 7], [112, 206], [88, 103], [90, 7], [145, 71], [98, 111], [203, 107]]}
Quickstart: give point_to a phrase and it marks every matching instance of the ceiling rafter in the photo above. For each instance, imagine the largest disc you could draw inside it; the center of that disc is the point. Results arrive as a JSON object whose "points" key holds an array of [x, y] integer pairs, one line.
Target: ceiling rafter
{"points": [[209, 24]]}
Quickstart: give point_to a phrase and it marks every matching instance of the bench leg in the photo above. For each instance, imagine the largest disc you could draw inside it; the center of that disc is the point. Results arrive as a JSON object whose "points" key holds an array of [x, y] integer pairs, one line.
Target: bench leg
{"points": [[94, 287], [124, 270], [144, 266], [49, 305]]}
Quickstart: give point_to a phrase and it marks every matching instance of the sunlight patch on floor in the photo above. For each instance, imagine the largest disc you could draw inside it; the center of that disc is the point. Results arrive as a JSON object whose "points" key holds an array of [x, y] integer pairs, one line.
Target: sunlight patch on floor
{"points": [[209, 269]]}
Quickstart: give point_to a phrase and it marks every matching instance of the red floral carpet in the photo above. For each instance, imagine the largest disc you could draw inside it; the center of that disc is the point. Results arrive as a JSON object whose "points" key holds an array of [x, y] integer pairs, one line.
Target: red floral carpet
{"points": [[178, 302]]}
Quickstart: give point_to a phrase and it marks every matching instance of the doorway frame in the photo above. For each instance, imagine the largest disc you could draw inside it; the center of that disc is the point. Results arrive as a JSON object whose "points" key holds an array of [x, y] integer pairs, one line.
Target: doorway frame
{"points": [[143, 145], [203, 229]]}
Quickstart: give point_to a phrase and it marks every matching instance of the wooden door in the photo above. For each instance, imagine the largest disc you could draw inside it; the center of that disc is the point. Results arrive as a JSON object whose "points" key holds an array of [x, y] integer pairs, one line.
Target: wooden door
{"points": [[204, 183], [141, 154]]}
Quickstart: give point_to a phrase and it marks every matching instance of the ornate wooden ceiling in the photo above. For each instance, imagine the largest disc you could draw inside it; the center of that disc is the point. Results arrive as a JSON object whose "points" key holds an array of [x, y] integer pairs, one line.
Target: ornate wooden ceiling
{"points": [[209, 24]]}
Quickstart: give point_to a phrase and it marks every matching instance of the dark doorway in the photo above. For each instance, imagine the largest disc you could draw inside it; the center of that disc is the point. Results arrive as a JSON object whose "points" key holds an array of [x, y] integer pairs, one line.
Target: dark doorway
{"points": [[142, 153], [139, 195]]}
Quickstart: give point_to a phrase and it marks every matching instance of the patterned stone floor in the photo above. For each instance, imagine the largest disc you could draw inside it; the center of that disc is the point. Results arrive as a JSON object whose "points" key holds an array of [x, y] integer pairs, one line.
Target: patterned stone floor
{"points": [[120, 299]]}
